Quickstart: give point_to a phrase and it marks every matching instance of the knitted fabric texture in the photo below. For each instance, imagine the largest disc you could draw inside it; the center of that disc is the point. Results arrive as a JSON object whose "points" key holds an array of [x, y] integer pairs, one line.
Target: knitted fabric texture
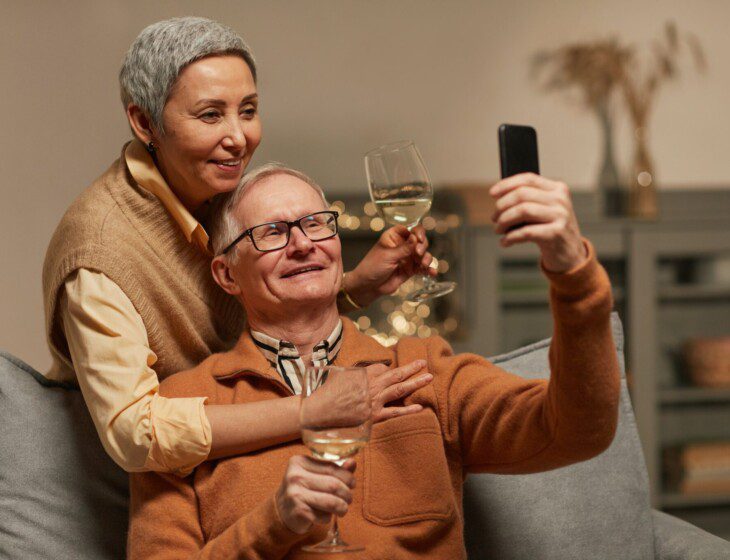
{"points": [[121, 230]]}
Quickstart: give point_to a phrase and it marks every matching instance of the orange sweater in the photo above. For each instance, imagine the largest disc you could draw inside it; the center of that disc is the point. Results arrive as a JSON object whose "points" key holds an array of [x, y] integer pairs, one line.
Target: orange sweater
{"points": [[407, 499]]}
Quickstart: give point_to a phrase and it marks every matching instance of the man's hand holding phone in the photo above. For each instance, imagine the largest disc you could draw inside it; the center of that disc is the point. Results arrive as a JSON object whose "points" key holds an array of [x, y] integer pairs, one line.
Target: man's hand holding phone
{"points": [[546, 209], [531, 208]]}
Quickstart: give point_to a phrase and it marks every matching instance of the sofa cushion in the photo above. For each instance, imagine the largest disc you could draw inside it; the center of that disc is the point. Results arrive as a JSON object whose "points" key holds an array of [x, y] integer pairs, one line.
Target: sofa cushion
{"points": [[595, 509], [61, 496]]}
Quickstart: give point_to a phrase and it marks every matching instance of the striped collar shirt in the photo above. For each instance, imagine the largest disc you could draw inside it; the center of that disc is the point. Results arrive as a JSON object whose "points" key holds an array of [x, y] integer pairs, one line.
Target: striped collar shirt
{"points": [[284, 356]]}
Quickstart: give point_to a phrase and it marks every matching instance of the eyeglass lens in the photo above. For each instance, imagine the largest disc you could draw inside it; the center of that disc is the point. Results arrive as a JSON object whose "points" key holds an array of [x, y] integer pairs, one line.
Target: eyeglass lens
{"points": [[317, 227]]}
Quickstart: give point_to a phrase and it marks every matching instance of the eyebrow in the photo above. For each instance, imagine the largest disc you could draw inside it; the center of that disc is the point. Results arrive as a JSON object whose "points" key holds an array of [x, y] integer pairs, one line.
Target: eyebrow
{"points": [[221, 103]]}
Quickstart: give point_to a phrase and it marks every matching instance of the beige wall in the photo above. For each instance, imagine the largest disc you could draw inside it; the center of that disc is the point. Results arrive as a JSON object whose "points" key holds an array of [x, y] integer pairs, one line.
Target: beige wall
{"points": [[337, 77]]}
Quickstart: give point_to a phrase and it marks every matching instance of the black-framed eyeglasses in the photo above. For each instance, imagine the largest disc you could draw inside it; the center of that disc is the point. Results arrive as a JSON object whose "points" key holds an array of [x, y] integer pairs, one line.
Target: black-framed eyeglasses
{"points": [[273, 236]]}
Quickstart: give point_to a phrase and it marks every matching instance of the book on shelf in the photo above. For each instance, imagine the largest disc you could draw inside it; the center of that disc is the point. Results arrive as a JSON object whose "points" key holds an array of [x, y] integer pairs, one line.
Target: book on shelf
{"points": [[699, 468]]}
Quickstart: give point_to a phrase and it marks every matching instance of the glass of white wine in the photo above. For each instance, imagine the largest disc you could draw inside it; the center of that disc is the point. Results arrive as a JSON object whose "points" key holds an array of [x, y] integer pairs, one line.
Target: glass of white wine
{"points": [[402, 193], [335, 417]]}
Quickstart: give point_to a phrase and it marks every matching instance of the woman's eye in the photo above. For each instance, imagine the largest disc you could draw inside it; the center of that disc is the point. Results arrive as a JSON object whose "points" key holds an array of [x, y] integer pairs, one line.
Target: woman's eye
{"points": [[249, 112], [209, 116]]}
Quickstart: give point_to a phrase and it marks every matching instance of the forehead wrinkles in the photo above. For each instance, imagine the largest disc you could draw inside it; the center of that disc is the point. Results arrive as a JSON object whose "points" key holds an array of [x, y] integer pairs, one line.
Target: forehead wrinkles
{"points": [[269, 200]]}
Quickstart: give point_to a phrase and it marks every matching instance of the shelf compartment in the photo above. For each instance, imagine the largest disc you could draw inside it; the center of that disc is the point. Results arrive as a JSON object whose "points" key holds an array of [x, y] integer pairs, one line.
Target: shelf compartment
{"points": [[693, 292], [529, 297], [670, 500], [693, 395]]}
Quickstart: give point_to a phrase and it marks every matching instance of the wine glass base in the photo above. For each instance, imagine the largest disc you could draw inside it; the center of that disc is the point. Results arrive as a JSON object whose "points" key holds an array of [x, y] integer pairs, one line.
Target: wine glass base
{"points": [[327, 547], [434, 290]]}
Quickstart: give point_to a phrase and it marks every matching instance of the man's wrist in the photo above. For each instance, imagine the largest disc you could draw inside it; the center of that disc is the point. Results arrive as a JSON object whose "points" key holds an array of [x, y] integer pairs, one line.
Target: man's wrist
{"points": [[575, 258]]}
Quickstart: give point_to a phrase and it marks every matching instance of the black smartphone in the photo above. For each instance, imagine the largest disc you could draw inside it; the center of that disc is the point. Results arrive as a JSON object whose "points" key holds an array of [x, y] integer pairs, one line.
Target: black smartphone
{"points": [[517, 150]]}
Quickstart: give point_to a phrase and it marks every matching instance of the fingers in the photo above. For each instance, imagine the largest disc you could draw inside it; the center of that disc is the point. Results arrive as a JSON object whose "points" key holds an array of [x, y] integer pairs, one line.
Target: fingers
{"points": [[328, 485], [418, 233], [529, 179], [343, 473], [537, 233], [524, 194], [401, 390], [399, 374], [327, 504], [312, 490], [394, 237], [526, 212], [396, 384], [389, 412]]}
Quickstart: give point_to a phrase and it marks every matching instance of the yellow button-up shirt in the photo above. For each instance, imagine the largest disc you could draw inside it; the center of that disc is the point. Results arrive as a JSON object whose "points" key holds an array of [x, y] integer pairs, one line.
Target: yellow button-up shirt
{"points": [[113, 361]]}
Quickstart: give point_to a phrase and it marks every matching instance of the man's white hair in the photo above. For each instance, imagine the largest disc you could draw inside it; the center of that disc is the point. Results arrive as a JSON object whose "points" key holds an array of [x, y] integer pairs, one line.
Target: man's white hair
{"points": [[223, 225]]}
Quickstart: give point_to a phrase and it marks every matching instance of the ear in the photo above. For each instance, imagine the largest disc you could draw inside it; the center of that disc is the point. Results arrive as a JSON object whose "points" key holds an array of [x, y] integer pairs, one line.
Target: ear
{"points": [[140, 123], [220, 267]]}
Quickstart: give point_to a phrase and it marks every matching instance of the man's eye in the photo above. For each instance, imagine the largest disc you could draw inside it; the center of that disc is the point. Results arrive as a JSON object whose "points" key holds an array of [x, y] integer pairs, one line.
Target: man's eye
{"points": [[313, 224], [273, 232]]}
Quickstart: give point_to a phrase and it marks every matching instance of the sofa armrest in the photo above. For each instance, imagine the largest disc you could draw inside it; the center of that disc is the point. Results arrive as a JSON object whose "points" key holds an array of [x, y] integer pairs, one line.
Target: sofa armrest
{"points": [[675, 539]]}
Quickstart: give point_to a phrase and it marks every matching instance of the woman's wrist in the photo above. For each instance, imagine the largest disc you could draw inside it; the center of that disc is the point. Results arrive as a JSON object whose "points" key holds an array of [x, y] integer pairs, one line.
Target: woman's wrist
{"points": [[354, 292]]}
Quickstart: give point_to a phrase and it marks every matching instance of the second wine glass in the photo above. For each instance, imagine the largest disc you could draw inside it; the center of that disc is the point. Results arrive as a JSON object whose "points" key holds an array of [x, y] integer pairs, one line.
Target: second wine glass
{"points": [[335, 416], [401, 190]]}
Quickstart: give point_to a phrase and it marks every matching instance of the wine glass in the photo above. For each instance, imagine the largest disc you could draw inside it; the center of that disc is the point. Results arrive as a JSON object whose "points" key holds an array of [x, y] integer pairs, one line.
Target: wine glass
{"points": [[335, 417], [401, 191]]}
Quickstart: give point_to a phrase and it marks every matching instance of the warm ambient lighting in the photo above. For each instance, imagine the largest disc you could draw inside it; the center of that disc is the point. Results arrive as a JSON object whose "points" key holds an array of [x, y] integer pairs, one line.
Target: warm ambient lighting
{"points": [[397, 317], [644, 178]]}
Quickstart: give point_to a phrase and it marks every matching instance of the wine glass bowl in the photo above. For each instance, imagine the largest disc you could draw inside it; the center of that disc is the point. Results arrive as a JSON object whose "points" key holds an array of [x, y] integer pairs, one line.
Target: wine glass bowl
{"points": [[335, 417], [401, 191]]}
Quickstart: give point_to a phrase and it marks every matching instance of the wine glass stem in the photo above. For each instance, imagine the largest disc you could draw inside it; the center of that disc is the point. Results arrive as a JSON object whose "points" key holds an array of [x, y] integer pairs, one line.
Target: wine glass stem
{"points": [[333, 535], [427, 280]]}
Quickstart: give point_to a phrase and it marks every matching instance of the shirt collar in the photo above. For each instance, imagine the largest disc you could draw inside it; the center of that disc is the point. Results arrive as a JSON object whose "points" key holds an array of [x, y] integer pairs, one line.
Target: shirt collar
{"points": [[145, 173], [284, 356]]}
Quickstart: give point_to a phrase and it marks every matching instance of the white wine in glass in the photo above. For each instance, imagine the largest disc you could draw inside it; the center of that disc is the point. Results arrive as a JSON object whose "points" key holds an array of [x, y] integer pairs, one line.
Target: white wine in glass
{"points": [[401, 191], [335, 417]]}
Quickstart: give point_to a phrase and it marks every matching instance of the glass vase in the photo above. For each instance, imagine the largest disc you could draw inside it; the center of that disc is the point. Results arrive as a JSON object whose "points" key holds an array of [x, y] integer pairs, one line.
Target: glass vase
{"points": [[643, 193], [611, 196]]}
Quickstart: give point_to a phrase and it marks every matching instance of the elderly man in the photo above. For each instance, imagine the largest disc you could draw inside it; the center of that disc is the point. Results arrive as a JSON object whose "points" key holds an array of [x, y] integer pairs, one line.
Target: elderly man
{"points": [[404, 499]]}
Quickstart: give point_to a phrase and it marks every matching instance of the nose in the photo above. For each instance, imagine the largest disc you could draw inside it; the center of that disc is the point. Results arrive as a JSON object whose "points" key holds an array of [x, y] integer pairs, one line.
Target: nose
{"points": [[235, 138], [298, 242]]}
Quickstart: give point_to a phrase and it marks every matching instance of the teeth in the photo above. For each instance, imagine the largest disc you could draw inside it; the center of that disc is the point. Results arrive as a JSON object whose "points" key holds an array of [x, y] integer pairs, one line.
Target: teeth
{"points": [[229, 163], [302, 271]]}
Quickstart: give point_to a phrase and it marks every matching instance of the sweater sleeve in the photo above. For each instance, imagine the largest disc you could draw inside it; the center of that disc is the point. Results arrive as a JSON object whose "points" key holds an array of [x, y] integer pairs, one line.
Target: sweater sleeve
{"points": [[165, 525], [112, 359], [502, 423]]}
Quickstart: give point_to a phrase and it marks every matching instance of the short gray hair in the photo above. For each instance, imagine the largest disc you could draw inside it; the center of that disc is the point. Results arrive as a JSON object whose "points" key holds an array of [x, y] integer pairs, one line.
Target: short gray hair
{"points": [[161, 51], [222, 223]]}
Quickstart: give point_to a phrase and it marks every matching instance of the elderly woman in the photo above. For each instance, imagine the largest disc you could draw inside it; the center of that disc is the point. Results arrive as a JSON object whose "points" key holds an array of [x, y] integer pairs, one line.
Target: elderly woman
{"points": [[279, 255], [128, 294]]}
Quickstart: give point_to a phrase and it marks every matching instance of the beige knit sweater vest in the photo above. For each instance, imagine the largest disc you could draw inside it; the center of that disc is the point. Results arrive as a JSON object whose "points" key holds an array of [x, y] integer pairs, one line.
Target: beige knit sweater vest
{"points": [[118, 228]]}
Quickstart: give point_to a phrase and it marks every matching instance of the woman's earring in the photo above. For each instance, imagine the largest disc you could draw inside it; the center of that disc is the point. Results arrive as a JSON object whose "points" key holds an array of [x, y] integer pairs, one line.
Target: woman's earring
{"points": [[151, 148]]}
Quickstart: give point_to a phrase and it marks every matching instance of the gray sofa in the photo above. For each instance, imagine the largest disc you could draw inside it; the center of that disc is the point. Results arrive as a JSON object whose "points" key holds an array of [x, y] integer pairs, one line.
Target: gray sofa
{"points": [[61, 496]]}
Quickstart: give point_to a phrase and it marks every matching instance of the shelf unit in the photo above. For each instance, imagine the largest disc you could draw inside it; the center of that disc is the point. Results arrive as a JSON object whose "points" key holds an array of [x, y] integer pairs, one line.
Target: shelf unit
{"points": [[668, 411]]}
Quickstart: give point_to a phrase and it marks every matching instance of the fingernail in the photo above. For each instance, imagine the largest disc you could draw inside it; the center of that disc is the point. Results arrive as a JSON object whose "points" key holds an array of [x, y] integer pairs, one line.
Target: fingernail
{"points": [[426, 377]]}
